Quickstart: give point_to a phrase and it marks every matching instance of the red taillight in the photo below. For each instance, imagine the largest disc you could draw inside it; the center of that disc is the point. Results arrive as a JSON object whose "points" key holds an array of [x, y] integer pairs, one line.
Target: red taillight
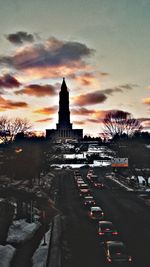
{"points": [[114, 233], [101, 233], [109, 260]]}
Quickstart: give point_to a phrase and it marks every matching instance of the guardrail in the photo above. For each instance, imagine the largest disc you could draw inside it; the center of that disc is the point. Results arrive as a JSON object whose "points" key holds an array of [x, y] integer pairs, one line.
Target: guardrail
{"points": [[54, 251]]}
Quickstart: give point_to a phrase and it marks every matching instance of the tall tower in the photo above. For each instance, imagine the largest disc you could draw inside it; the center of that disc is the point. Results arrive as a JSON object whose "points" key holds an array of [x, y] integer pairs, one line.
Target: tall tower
{"points": [[64, 129], [64, 112]]}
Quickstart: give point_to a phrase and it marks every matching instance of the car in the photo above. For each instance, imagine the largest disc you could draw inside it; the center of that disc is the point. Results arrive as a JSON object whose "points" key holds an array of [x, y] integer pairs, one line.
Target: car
{"points": [[76, 177], [84, 192], [106, 229], [76, 173], [96, 213], [115, 252], [89, 174], [83, 186], [98, 185], [89, 201], [80, 181]]}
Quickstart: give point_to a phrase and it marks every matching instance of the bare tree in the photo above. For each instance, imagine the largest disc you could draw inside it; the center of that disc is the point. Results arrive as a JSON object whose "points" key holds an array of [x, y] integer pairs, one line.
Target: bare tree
{"points": [[19, 125], [120, 122], [9, 128]]}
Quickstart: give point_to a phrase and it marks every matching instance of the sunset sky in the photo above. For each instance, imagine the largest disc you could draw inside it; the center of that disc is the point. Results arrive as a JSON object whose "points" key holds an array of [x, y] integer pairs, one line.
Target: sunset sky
{"points": [[101, 47]]}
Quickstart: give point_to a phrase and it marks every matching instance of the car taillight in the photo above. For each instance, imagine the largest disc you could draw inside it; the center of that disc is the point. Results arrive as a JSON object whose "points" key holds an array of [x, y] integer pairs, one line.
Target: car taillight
{"points": [[101, 233], [130, 258], [115, 233], [109, 260]]}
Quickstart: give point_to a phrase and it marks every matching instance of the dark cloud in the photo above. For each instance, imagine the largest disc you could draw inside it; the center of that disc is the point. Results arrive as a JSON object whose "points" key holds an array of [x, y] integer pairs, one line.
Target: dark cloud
{"points": [[101, 95], [8, 81], [20, 37], [38, 90], [8, 104], [111, 91], [52, 53], [46, 110], [90, 99], [44, 120], [82, 111], [118, 89]]}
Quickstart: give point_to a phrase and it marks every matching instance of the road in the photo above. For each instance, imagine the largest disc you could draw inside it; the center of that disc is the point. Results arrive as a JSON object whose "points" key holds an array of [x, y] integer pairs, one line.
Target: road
{"points": [[80, 242]]}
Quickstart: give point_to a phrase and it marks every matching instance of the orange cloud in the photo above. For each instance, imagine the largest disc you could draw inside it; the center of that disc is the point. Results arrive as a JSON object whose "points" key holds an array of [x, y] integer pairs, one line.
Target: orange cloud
{"points": [[82, 111], [79, 122], [8, 104], [146, 100], [46, 110], [45, 120], [87, 78], [38, 90]]}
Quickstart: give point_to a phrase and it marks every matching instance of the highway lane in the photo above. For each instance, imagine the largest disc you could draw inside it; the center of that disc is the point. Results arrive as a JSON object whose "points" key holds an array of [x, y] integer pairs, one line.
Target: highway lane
{"points": [[131, 217], [81, 236], [129, 214]]}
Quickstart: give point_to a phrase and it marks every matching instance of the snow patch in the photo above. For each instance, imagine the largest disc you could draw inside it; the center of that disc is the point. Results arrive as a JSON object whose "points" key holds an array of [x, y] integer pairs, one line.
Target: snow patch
{"points": [[6, 255], [20, 231], [40, 256]]}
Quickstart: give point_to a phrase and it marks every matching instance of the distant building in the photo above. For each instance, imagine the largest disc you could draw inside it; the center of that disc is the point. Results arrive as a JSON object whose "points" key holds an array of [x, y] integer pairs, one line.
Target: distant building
{"points": [[64, 129]]}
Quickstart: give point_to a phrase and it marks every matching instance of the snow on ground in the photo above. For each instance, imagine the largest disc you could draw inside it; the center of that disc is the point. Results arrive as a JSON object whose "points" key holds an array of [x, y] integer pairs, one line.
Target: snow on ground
{"points": [[20, 231], [40, 256], [121, 184], [77, 166], [6, 255]]}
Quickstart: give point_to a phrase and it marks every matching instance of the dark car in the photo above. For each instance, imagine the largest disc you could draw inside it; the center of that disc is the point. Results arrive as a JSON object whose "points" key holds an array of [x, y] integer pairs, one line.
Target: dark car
{"points": [[98, 185], [83, 186], [115, 252], [96, 213], [84, 192], [89, 201], [106, 229]]}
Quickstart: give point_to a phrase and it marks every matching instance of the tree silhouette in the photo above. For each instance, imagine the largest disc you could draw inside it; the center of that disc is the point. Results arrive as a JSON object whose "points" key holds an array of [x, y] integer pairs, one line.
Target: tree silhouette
{"points": [[9, 128], [120, 122]]}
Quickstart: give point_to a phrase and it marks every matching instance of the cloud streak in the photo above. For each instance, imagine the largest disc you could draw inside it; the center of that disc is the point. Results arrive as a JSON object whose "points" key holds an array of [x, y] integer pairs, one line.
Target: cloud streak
{"points": [[82, 111], [44, 120], [46, 110], [8, 104], [38, 90]]}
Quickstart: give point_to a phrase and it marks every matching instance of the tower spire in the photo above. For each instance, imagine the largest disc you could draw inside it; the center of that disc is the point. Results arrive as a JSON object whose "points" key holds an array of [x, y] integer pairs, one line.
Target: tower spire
{"points": [[64, 112], [64, 86]]}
